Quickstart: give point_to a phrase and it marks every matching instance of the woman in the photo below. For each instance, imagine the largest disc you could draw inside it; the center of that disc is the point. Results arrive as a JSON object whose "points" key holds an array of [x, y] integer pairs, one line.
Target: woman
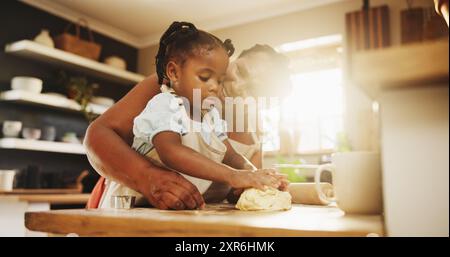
{"points": [[258, 72], [109, 137]]}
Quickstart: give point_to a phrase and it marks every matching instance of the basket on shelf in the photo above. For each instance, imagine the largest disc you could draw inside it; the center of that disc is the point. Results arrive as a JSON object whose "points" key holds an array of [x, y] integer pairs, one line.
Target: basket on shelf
{"points": [[75, 44]]}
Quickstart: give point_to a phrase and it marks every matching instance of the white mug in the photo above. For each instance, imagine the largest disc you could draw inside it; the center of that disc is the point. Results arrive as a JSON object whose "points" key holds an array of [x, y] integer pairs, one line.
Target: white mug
{"points": [[356, 181], [11, 128], [7, 180]]}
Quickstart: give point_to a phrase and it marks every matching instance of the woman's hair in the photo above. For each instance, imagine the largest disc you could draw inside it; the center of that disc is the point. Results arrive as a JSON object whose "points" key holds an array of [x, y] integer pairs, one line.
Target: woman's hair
{"points": [[182, 39], [279, 68], [274, 55]]}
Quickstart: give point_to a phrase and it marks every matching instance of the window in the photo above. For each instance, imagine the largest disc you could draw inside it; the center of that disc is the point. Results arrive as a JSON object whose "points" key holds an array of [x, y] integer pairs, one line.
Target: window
{"points": [[312, 116]]}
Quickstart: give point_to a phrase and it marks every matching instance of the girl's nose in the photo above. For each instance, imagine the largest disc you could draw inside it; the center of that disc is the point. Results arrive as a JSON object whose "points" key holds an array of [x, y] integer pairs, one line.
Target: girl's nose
{"points": [[214, 87]]}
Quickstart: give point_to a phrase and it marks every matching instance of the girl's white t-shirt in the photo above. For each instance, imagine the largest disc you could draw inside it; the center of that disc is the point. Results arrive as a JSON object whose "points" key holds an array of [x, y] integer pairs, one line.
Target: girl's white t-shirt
{"points": [[166, 112]]}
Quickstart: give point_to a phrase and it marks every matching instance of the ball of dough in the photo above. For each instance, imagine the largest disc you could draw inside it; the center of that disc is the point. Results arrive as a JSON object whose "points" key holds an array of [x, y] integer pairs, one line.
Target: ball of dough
{"points": [[271, 199]]}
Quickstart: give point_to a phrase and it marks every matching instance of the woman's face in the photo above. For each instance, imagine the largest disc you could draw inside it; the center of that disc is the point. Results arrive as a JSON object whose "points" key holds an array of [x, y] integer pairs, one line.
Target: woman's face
{"points": [[251, 75]]}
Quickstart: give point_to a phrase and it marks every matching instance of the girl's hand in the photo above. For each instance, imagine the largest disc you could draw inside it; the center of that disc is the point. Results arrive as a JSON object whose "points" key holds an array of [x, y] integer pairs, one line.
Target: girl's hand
{"points": [[259, 179], [235, 193], [283, 178]]}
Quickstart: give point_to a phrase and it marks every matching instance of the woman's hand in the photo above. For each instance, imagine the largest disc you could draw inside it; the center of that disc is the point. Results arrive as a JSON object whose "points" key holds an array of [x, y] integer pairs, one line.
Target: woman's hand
{"points": [[169, 190]]}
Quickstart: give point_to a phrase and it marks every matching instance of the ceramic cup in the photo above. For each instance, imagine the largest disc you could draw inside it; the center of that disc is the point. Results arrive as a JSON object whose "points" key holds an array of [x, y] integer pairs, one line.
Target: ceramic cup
{"points": [[49, 133], [31, 133], [7, 180], [356, 181], [11, 128], [123, 201], [116, 61], [29, 84], [70, 137]]}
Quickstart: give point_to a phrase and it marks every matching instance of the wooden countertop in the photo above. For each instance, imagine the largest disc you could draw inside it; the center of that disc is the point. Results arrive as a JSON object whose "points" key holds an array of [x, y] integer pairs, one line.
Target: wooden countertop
{"points": [[49, 198], [215, 220], [412, 65]]}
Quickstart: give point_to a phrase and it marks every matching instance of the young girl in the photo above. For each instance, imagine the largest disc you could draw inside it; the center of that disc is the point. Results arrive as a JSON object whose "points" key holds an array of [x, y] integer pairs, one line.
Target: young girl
{"points": [[190, 59]]}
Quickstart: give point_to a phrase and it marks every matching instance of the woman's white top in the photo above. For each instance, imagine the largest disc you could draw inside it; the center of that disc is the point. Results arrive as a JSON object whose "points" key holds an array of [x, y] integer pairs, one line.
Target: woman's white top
{"points": [[247, 150]]}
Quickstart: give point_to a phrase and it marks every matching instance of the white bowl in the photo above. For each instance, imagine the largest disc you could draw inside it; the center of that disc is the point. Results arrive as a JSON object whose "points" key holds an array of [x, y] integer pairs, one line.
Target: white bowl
{"points": [[70, 137], [11, 128], [116, 61], [100, 100], [29, 84], [31, 133]]}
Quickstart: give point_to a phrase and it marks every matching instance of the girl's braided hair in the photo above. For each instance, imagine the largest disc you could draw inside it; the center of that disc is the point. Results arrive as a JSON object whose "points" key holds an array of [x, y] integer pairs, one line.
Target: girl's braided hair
{"points": [[180, 40]]}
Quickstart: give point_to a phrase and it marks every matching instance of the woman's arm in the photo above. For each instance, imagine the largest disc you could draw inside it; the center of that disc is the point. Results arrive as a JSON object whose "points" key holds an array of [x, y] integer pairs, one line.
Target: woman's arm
{"points": [[107, 144]]}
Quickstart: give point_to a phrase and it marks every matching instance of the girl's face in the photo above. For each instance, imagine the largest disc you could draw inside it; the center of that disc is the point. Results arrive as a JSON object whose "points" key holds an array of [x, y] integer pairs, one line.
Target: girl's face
{"points": [[251, 75], [204, 70]]}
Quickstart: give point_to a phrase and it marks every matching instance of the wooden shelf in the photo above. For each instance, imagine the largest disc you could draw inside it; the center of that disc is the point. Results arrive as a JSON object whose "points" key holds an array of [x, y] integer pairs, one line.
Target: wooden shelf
{"points": [[40, 145], [32, 50], [421, 64], [48, 101]]}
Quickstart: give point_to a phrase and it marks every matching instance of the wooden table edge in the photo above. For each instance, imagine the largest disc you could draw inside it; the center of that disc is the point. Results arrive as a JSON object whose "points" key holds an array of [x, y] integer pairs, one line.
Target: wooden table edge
{"points": [[58, 224]]}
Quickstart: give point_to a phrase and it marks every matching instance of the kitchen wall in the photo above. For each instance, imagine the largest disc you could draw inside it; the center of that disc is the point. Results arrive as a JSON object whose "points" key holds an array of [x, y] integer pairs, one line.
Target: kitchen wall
{"points": [[146, 59], [20, 21], [316, 22], [360, 121]]}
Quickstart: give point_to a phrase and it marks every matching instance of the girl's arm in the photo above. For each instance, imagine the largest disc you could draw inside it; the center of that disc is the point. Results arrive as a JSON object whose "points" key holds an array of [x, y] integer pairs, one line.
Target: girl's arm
{"points": [[175, 155]]}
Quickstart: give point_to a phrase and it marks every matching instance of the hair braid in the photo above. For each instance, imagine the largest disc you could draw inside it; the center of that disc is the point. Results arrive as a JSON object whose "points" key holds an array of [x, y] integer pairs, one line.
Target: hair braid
{"points": [[180, 39], [166, 39]]}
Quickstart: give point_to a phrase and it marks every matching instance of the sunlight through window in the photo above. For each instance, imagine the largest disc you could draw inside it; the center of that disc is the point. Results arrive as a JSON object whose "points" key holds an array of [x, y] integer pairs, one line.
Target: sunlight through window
{"points": [[312, 116]]}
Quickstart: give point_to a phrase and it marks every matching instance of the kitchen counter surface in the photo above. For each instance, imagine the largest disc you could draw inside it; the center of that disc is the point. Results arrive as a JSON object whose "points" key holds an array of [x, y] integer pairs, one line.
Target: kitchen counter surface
{"points": [[214, 220], [48, 198]]}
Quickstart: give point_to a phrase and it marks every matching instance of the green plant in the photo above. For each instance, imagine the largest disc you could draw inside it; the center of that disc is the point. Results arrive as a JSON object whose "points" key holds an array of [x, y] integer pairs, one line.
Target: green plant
{"points": [[80, 90], [291, 172]]}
